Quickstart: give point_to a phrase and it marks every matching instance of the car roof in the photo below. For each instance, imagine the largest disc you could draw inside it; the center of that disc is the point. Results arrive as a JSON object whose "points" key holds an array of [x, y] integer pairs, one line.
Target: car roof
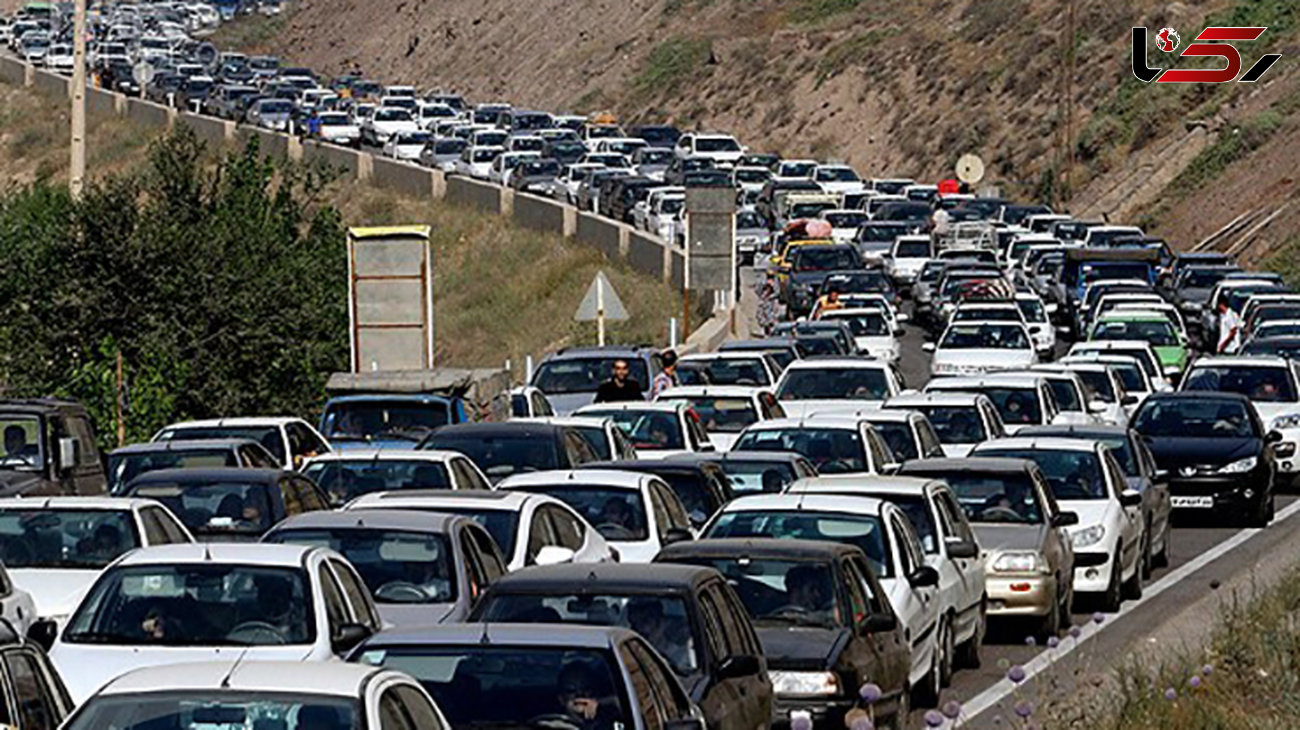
{"points": [[1047, 443], [761, 547], [431, 499], [433, 455], [819, 363], [721, 457], [853, 483], [1198, 395], [980, 381], [76, 503], [205, 475], [497, 428], [609, 478], [822, 422], [605, 578], [554, 636], [637, 405], [371, 519], [1074, 431], [606, 352], [704, 391], [153, 447], [976, 465], [804, 503], [234, 422], [952, 398], [288, 556], [1241, 361], [219, 677]]}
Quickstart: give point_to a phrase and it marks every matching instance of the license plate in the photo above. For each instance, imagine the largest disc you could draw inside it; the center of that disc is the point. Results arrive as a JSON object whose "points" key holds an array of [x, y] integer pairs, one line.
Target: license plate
{"points": [[1204, 502]]}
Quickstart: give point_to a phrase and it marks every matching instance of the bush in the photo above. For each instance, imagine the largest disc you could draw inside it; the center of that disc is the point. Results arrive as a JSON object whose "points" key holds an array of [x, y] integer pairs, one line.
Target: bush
{"points": [[1231, 145]]}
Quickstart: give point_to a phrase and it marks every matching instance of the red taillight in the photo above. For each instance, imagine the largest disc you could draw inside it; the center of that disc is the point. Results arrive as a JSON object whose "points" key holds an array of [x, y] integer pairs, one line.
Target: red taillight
{"points": [[1020, 587]]}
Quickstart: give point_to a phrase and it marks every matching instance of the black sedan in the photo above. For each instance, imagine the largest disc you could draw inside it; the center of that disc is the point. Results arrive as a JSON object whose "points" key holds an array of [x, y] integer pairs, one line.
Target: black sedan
{"points": [[514, 447], [1217, 453], [229, 503]]}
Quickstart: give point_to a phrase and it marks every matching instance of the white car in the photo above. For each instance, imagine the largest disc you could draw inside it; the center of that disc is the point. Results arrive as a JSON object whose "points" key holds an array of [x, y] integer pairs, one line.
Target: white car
{"points": [[347, 474], [527, 527], [1108, 400], [842, 384], [505, 163], [960, 419], [1140, 350], [845, 224], [725, 410], [1127, 368], [723, 149], [971, 348], [838, 179], [950, 547], [657, 430], [476, 162], [385, 122], [316, 696], [430, 114], [907, 257], [787, 170], [882, 530], [55, 547], [1070, 395], [728, 368], [215, 601], [1087, 480], [571, 178], [910, 434], [638, 514], [338, 128], [751, 179], [290, 440], [834, 444], [407, 146], [59, 58], [872, 331], [1022, 400]]}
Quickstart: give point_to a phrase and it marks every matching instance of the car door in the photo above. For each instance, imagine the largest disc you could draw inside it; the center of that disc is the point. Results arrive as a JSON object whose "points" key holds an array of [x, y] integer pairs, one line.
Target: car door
{"points": [[916, 607], [738, 697], [40, 702], [869, 656], [961, 578], [1134, 525], [87, 475], [718, 698], [361, 607], [755, 687]]}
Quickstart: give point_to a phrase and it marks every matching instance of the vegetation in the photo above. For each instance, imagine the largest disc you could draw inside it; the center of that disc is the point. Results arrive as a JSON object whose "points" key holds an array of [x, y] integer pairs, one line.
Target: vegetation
{"points": [[1230, 146], [856, 50], [815, 11], [251, 33], [671, 64]]}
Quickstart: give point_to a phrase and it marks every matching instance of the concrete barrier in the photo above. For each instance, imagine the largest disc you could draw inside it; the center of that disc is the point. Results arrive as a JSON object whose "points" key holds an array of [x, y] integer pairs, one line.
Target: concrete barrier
{"points": [[210, 130], [51, 84], [676, 274], [404, 177], [341, 158], [645, 254], [147, 114], [270, 144], [100, 104], [539, 214], [475, 194], [12, 71], [599, 233]]}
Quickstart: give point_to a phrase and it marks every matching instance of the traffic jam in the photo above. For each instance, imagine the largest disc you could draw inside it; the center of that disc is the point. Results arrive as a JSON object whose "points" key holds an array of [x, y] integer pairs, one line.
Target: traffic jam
{"points": [[955, 422]]}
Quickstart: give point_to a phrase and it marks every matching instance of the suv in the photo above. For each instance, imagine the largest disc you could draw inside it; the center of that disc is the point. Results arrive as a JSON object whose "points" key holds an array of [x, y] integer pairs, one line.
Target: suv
{"points": [[570, 377], [49, 449]]}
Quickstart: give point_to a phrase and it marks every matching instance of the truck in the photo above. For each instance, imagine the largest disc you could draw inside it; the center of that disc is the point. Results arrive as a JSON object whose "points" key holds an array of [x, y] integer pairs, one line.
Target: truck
{"points": [[49, 449]]}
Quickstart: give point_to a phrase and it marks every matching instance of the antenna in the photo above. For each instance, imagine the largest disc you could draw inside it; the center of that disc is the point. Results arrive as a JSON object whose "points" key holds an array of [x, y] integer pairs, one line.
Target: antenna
{"points": [[225, 681], [484, 638], [207, 552]]}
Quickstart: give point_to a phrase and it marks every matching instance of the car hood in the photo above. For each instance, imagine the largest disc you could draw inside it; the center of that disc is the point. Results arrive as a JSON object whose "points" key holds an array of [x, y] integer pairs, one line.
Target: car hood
{"points": [[1175, 452], [996, 537], [986, 358], [420, 614], [801, 647], [805, 408], [56, 592]]}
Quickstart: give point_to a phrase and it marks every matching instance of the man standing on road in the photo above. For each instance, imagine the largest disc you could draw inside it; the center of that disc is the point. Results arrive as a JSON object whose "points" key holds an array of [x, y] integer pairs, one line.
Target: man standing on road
{"points": [[1229, 329], [619, 388], [667, 378]]}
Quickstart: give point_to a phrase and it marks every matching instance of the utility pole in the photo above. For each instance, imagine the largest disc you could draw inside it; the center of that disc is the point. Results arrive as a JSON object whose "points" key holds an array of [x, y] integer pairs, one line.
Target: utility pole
{"points": [[1069, 101], [77, 169]]}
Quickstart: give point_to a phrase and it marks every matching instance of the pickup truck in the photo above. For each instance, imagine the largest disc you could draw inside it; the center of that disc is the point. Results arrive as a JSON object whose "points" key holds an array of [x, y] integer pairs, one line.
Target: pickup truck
{"points": [[49, 449]]}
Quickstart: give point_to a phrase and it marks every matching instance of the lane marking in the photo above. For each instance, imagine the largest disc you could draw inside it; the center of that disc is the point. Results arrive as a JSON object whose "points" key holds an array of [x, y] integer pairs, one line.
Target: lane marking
{"points": [[994, 694]]}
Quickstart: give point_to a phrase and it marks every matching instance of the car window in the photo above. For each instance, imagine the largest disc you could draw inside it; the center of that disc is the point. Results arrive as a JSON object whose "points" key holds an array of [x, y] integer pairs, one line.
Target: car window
{"points": [[905, 556], [309, 495], [879, 452], [336, 610], [930, 445], [652, 713], [733, 612], [37, 708], [714, 634], [363, 606], [419, 709], [568, 531], [154, 532], [668, 694], [677, 516], [862, 577], [393, 714], [954, 516], [254, 456], [662, 522], [489, 554], [540, 535], [173, 528], [478, 580]]}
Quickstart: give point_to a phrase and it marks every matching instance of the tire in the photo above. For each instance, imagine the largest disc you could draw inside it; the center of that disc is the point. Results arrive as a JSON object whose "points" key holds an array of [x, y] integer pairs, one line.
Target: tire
{"points": [[927, 693], [946, 650], [1051, 623], [1111, 599], [1161, 559], [1260, 515], [968, 654], [1132, 588]]}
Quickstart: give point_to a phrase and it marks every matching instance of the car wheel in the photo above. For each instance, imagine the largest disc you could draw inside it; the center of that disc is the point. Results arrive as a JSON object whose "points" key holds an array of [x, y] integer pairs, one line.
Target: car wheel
{"points": [[1133, 586], [927, 693], [945, 647], [1161, 559], [1262, 513], [1051, 623], [1110, 600], [968, 654]]}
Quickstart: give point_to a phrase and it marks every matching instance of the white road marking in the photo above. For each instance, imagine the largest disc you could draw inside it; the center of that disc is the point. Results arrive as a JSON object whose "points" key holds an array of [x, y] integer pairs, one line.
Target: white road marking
{"points": [[990, 697]]}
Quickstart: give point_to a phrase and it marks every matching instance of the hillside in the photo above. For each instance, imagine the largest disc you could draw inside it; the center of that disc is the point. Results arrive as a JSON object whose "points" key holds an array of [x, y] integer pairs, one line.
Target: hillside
{"points": [[893, 88]]}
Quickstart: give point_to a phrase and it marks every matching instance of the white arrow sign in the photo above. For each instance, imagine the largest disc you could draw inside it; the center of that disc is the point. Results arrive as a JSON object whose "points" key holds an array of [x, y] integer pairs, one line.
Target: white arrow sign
{"points": [[600, 303]]}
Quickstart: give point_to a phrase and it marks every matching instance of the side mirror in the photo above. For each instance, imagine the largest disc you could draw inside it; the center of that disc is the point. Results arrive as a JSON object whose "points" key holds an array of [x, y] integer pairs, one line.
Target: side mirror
{"points": [[1273, 436], [879, 623], [739, 666], [1161, 474], [43, 633], [1129, 400], [69, 454], [554, 555], [347, 637], [1065, 519], [676, 535], [1052, 308], [903, 317], [927, 347], [1096, 406], [1130, 498], [923, 577], [959, 548]]}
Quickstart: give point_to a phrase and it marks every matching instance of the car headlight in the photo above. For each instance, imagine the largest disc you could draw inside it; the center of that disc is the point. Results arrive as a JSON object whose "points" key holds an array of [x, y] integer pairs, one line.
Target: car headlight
{"points": [[806, 684], [1240, 466], [1019, 562], [1291, 420], [1088, 536]]}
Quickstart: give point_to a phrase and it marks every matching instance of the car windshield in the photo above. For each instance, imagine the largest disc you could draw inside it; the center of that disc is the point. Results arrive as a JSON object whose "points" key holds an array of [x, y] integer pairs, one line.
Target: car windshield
{"points": [[955, 424], [797, 169], [996, 497], [618, 514], [775, 591], [196, 604], [122, 468], [414, 138], [213, 508], [500, 455], [538, 168], [748, 219], [752, 176], [183, 710], [512, 686], [501, 524], [722, 371], [985, 337], [76, 539], [1032, 310], [397, 566], [1260, 384], [344, 480], [1287, 347], [912, 250], [716, 144], [918, 512], [757, 477], [334, 120], [862, 324], [1194, 417], [276, 107], [268, 436], [1159, 333], [846, 220], [833, 384], [811, 210], [864, 531], [837, 174], [986, 314], [1198, 278], [898, 434], [1071, 474], [663, 620], [584, 375], [655, 157], [721, 414], [831, 450], [24, 443], [1141, 356], [651, 429], [1017, 406]]}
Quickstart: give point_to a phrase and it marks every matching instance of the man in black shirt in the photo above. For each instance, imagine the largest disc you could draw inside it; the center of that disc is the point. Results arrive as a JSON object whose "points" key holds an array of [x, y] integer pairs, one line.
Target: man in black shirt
{"points": [[620, 387]]}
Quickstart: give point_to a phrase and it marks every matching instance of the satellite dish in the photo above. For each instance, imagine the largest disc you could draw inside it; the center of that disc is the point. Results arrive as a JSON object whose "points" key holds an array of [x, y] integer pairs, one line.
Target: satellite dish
{"points": [[970, 168]]}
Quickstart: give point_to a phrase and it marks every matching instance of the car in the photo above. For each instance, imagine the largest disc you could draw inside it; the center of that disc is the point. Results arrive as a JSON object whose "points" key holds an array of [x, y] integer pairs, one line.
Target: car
{"points": [[971, 348], [834, 444], [832, 385], [420, 568], [960, 419], [1169, 343], [406, 145], [229, 504], [1273, 385], [845, 224], [1084, 393], [1021, 400], [909, 434], [723, 149], [656, 135], [1217, 452], [656, 429], [907, 255], [386, 121], [319, 695], [652, 162], [346, 475], [443, 154], [823, 620], [836, 178], [605, 438], [271, 114], [54, 548], [128, 462], [513, 447], [528, 528], [949, 545], [688, 614], [536, 176], [780, 351], [872, 331], [570, 377], [290, 440], [504, 164], [50, 449], [181, 603], [754, 472], [742, 368], [636, 513], [702, 487], [1110, 539], [529, 675], [1140, 350], [894, 555], [806, 268], [36, 698], [337, 128], [1028, 555], [725, 410], [476, 161]]}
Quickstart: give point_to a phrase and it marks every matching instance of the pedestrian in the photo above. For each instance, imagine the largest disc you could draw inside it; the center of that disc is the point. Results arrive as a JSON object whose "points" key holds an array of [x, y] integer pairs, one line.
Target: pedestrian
{"points": [[826, 303], [667, 378], [620, 387], [1229, 329]]}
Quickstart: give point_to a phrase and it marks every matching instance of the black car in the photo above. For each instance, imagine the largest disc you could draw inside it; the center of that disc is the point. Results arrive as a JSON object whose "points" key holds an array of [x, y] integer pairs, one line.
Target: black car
{"points": [[565, 151], [1218, 455], [657, 135], [688, 614], [224, 504], [627, 192], [129, 462], [808, 268], [825, 624], [514, 447], [677, 169], [754, 472], [702, 487]]}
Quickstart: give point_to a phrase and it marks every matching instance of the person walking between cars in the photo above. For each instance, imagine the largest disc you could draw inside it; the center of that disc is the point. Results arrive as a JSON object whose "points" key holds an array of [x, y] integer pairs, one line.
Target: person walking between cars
{"points": [[826, 303], [667, 378], [1229, 329], [621, 387]]}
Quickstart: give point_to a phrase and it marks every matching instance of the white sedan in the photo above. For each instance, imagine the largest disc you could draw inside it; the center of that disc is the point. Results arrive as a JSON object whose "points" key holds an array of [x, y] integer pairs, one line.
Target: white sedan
{"points": [[971, 348], [657, 430], [407, 146], [871, 331], [826, 386], [726, 410]]}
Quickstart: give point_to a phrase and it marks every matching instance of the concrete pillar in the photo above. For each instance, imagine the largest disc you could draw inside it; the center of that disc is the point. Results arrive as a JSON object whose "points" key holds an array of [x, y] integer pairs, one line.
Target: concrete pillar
{"points": [[507, 202], [294, 149], [365, 168], [29, 74], [439, 184], [668, 264], [570, 221], [624, 241]]}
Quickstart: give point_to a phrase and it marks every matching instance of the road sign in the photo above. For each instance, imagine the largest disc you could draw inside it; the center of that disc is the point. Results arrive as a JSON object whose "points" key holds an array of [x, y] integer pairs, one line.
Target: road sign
{"points": [[390, 298], [143, 73], [600, 303]]}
